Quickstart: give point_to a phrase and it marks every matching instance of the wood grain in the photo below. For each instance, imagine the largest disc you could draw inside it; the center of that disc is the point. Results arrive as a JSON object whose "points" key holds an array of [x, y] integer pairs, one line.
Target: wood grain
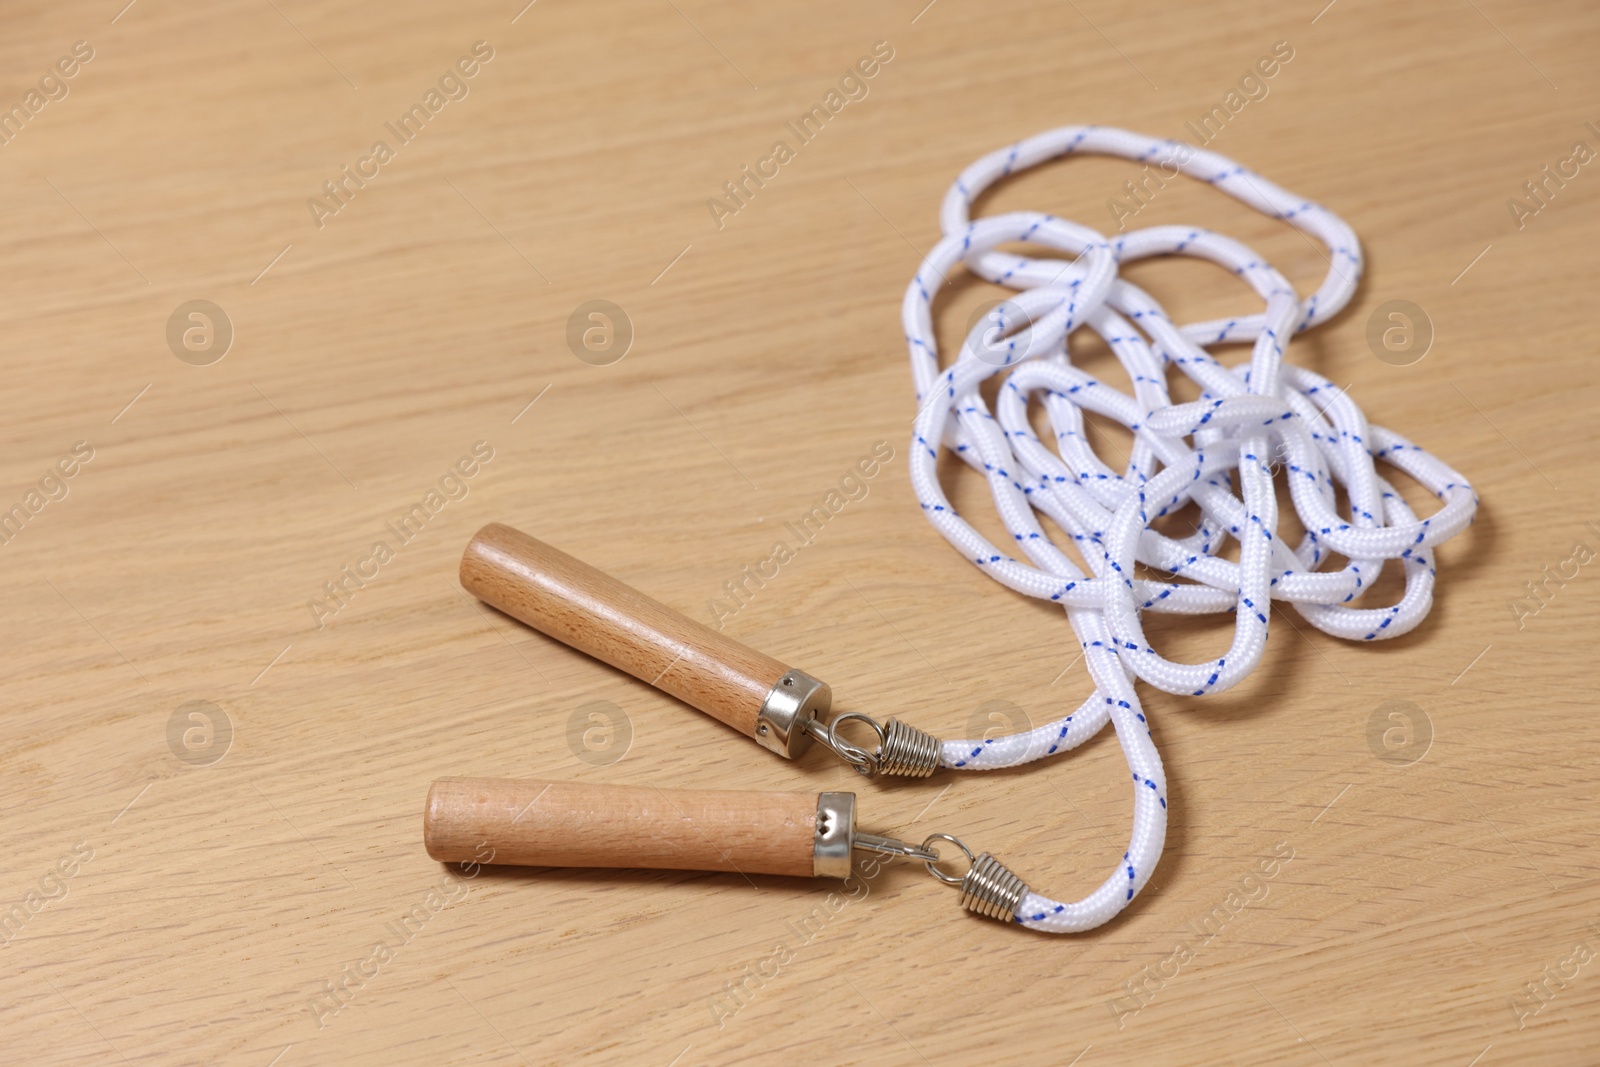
{"points": [[578, 824], [594, 613], [173, 606]]}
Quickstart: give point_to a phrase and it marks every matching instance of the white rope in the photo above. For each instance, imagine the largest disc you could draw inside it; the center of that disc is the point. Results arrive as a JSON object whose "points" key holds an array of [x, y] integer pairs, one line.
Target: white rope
{"points": [[1217, 451]]}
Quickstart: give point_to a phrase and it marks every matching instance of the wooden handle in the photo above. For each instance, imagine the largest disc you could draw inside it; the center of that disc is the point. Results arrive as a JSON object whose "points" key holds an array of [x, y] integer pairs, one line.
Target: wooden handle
{"points": [[569, 824], [615, 623]]}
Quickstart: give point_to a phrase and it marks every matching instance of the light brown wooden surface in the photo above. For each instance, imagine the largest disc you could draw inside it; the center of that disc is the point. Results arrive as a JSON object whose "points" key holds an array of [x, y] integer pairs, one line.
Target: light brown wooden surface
{"points": [[567, 599], [201, 913], [526, 821]]}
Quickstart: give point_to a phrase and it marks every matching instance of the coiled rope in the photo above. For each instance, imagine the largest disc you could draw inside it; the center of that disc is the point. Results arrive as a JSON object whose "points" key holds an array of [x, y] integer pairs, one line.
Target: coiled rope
{"points": [[1218, 452]]}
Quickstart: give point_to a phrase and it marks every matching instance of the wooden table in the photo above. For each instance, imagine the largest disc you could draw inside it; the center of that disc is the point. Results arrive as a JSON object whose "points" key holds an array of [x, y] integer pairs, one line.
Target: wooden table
{"points": [[224, 707]]}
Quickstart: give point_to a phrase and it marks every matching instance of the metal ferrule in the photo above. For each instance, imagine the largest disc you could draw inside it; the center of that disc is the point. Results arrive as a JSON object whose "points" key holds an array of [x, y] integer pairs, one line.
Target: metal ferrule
{"points": [[795, 699], [835, 836], [991, 890]]}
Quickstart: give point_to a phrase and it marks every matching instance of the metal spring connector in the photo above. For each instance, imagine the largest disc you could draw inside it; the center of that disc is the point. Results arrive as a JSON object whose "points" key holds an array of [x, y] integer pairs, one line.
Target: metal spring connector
{"points": [[988, 888], [991, 890], [906, 751], [903, 750]]}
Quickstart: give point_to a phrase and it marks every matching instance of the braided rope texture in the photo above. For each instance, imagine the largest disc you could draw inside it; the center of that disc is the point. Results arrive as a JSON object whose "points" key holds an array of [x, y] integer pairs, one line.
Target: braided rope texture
{"points": [[1254, 421]]}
